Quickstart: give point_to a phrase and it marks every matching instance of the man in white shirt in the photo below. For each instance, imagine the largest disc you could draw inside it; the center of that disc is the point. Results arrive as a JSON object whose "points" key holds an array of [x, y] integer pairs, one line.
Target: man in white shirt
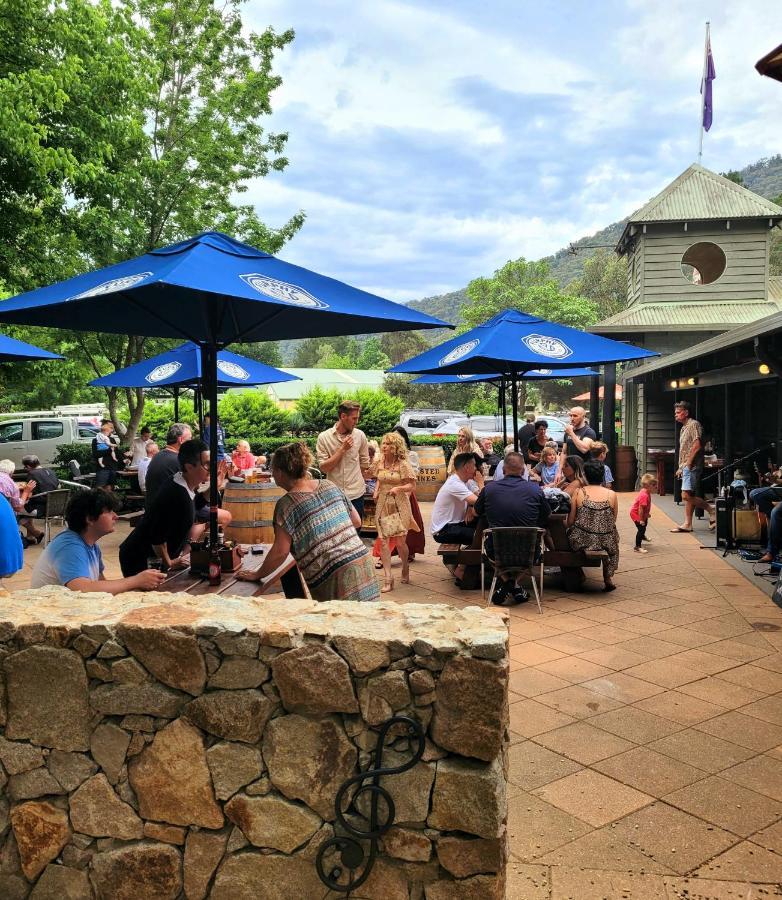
{"points": [[143, 464], [138, 447], [343, 454], [453, 519]]}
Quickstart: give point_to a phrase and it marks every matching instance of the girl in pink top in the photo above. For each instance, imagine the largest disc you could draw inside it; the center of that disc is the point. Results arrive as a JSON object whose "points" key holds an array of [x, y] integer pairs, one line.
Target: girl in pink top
{"points": [[641, 510]]}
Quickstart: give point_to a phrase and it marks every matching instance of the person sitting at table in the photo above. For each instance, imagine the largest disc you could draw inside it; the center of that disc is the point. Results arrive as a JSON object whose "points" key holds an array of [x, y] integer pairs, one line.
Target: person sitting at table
{"points": [[316, 523], [44, 480], [202, 509], [10, 489], [453, 518], [512, 502], [592, 520], [138, 447], [243, 460], [763, 498], [536, 443], [465, 443], [165, 464], [11, 549], [73, 558], [491, 459], [499, 472], [547, 470], [598, 453], [164, 530], [573, 477], [152, 451], [104, 452]]}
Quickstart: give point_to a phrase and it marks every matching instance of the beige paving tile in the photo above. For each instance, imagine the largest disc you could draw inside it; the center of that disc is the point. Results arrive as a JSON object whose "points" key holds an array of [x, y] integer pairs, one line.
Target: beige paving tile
{"points": [[530, 631], [702, 661], [526, 882], [701, 750], [570, 643], [680, 707], [532, 682], [607, 633], [634, 607], [650, 646], [743, 730], [531, 653], [665, 673], [736, 649], [574, 669], [677, 615], [686, 637], [769, 709], [725, 626], [583, 743], [536, 828], [593, 797], [623, 687], [530, 766], [613, 658], [773, 662], [721, 692], [579, 702], [770, 838], [727, 804], [587, 884], [710, 889], [746, 861], [641, 625], [649, 771], [600, 850], [528, 718], [755, 677], [566, 622], [634, 724], [672, 837], [761, 773], [603, 614]]}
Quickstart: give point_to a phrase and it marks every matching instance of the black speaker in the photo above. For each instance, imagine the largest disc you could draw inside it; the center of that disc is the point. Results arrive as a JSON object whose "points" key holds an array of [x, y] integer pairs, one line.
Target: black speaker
{"points": [[724, 513]]}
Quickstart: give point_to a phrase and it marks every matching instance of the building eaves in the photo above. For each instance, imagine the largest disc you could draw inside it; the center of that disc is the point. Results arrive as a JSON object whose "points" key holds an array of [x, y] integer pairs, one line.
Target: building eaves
{"points": [[670, 315]]}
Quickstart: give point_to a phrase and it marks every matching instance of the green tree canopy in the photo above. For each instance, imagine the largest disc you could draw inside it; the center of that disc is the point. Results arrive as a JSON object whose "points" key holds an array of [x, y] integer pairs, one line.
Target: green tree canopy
{"points": [[604, 282]]}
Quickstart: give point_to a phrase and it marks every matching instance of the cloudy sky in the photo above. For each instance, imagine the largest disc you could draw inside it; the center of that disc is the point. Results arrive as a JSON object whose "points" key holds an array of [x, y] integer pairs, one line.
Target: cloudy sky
{"points": [[433, 140]]}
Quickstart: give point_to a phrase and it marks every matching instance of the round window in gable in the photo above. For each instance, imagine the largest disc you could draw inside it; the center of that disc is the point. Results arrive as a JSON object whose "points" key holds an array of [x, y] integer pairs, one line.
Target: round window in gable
{"points": [[703, 263]]}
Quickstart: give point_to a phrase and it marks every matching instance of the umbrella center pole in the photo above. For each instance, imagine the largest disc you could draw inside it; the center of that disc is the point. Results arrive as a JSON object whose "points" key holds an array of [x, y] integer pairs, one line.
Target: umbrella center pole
{"points": [[514, 399], [209, 379]]}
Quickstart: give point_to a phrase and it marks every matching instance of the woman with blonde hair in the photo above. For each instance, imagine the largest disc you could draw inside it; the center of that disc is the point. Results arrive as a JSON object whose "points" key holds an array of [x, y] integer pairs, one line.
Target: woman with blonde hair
{"points": [[395, 483], [465, 443], [243, 460], [316, 523]]}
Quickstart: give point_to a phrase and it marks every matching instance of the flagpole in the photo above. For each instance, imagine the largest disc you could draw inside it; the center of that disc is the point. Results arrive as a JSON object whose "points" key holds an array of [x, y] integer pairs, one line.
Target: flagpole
{"points": [[703, 90]]}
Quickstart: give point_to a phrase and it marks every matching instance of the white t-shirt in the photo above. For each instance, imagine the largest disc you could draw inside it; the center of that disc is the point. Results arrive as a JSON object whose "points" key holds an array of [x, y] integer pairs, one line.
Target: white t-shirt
{"points": [[450, 505]]}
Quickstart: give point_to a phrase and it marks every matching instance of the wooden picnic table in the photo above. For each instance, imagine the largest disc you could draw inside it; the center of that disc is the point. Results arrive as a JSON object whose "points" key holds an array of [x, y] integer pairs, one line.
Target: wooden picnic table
{"points": [[287, 579]]}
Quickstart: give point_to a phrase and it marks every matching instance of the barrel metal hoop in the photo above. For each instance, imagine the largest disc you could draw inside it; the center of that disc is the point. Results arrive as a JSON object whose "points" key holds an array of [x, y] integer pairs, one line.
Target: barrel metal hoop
{"points": [[249, 523]]}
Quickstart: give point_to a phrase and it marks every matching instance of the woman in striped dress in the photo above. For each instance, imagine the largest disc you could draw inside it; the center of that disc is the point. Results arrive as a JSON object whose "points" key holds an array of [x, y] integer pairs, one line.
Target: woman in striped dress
{"points": [[316, 524]]}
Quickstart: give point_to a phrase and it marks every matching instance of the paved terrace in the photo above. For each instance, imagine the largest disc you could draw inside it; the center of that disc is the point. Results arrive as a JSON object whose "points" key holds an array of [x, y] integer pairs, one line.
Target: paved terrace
{"points": [[646, 741]]}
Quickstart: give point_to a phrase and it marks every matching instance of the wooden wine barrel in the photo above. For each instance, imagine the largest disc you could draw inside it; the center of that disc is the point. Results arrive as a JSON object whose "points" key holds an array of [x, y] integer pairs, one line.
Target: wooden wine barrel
{"points": [[626, 469], [431, 472], [252, 510]]}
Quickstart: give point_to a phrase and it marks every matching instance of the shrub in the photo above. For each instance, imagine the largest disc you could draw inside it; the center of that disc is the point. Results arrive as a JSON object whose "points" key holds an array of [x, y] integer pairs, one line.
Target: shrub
{"points": [[159, 416], [379, 409], [251, 416], [82, 453]]}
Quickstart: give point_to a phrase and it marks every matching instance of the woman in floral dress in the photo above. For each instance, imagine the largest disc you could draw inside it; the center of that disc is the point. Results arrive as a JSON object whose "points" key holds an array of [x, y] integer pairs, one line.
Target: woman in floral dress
{"points": [[395, 483], [592, 520]]}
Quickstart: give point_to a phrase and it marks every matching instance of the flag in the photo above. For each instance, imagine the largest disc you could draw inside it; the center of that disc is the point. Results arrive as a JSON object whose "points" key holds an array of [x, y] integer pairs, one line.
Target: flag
{"points": [[708, 76]]}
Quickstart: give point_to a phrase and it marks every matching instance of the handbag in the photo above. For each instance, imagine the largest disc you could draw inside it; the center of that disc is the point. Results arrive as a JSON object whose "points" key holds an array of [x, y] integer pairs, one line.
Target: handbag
{"points": [[390, 524]]}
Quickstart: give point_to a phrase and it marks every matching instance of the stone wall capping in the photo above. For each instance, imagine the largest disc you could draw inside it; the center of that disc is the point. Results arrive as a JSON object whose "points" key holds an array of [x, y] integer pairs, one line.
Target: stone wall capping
{"points": [[192, 747]]}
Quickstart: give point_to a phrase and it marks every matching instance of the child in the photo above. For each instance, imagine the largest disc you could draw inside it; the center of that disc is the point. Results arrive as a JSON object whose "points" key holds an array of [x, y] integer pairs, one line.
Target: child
{"points": [[641, 510], [599, 451], [547, 470]]}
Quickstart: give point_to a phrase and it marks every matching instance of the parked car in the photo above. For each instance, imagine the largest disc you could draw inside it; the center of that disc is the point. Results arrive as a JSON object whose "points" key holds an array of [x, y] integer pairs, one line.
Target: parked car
{"points": [[424, 421], [20, 436], [491, 426]]}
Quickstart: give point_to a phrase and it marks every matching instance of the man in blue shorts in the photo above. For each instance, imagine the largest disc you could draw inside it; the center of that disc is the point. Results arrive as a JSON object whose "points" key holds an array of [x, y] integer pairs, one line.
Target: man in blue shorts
{"points": [[74, 559], [690, 466]]}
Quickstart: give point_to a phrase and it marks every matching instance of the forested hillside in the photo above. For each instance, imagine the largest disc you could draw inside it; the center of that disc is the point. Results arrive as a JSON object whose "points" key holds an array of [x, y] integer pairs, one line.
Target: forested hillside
{"points": [[763, 177]]}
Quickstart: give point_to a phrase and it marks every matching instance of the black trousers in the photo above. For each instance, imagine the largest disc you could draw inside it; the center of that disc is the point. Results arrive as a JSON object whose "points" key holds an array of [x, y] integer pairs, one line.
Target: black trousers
{"points": [[640, 533], [456, 533]]}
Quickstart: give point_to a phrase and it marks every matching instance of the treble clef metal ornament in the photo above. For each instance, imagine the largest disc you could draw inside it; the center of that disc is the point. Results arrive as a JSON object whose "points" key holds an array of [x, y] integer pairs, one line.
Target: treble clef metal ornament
{"points": [[352, 853]]}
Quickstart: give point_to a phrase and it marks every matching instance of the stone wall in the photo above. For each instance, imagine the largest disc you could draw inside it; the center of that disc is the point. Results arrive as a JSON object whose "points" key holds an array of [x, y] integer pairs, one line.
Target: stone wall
{"points": [[166, 746]]}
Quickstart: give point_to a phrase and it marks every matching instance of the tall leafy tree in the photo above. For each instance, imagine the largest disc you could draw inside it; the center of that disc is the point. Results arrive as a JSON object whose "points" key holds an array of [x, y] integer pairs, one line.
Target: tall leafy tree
{"points": [[399, 346], [604, 281]]}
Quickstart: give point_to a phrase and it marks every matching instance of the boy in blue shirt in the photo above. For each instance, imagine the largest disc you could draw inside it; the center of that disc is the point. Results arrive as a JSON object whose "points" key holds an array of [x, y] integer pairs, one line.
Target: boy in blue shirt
{"points": [[74, 559]]}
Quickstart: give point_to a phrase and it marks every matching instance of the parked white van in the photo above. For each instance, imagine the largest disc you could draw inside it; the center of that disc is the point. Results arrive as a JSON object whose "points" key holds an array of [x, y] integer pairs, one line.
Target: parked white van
{"points": [[41, 433]]}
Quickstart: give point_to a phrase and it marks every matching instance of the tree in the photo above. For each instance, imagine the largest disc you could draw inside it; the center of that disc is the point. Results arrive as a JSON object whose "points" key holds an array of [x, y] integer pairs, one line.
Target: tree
{"points": [[190, 93], [372, 355], [775, 250], [310, 353], [604, 281], [399, 346], [262, 351]]}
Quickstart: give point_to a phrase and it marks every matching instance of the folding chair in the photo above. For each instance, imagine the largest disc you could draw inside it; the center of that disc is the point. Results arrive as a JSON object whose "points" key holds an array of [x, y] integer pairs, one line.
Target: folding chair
{"points": [[514, 550], [56, 504]]}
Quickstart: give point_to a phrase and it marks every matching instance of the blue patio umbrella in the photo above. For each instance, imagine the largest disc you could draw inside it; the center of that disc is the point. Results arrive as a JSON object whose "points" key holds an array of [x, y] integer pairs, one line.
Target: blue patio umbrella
{"points": [[12, 350], [181, 367], [214, 291], [511, 343]]}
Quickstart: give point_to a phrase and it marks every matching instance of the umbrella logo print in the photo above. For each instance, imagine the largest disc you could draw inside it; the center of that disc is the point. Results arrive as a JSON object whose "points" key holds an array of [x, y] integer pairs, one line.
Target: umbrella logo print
{"points": [[458, 352], [161, 373], [281, 290], [110, 287], [232, 370], [543, 345], [541, 372]]}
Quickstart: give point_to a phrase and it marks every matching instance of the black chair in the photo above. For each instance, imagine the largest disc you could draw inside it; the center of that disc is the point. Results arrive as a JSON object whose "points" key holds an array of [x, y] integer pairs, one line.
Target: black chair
{"points": [[76, 475], [514, 551]]}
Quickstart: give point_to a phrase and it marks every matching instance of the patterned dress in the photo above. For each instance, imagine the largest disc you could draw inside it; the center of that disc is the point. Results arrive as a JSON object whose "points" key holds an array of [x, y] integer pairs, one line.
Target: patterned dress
{"points": [[595, 529], [331, 556], [387, 479]]}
